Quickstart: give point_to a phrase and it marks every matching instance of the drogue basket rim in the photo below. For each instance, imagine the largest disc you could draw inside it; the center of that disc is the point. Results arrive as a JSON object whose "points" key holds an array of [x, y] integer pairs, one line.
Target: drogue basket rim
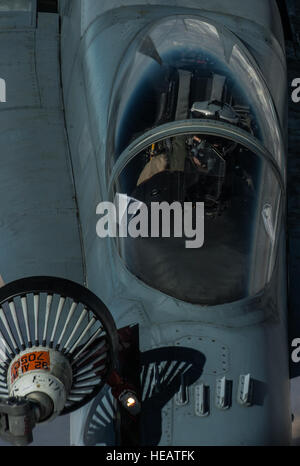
{"points": [[78, 293]]}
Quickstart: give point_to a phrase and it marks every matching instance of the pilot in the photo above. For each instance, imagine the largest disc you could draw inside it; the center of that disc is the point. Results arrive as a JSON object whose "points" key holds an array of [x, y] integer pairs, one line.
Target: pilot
{"points": [[174, 161], [156, 165], [178, 154]]}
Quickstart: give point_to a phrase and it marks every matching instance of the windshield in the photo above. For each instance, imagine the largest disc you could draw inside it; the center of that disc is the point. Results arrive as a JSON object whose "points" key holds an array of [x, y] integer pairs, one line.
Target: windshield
{"points": [[241, 197]]}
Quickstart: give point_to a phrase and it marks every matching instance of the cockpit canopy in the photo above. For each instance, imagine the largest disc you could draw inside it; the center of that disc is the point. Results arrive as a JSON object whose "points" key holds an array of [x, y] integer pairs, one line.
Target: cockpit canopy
{"points": [[189, 69]]}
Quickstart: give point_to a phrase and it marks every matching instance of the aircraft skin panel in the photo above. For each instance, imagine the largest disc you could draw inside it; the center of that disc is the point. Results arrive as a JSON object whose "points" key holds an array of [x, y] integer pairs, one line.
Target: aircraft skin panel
{"points": [[37, 210], [18, 14], [253, 331], [242, 423], [47, 63]]}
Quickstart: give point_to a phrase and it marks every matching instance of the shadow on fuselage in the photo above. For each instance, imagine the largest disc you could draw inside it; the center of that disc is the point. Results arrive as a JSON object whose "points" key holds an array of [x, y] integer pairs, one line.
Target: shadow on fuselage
{"points": [[164, 372]]}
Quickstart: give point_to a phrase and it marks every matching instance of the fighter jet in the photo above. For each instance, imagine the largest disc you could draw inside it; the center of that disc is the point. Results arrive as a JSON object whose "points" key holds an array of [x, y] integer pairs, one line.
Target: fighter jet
{"points": [[180, 105]]}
